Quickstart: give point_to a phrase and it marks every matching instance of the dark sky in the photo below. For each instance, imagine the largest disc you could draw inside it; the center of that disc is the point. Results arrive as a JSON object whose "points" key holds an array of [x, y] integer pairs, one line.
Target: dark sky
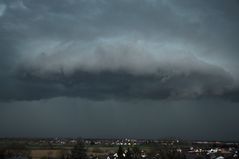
{"points": [[123, 68]]}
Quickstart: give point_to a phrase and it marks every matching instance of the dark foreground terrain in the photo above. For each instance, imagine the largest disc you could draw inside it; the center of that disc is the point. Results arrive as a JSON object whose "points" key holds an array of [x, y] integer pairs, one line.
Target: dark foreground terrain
{"points": [[67, 148]]}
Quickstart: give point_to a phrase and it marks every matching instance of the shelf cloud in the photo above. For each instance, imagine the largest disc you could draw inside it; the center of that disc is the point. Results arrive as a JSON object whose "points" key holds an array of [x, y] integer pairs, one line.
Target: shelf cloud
{"points": [[165, 64], [119, 49]]}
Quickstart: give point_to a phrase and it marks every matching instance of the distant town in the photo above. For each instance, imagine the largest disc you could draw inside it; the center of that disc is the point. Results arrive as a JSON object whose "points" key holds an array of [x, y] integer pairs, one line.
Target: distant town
{"points": [[79, 148]]}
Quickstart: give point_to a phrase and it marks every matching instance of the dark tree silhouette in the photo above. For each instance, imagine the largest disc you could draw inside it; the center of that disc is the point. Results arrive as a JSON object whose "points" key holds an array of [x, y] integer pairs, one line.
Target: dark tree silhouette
{"points": [[136, 152], [128, 154], [79, 151], [120, 152]]}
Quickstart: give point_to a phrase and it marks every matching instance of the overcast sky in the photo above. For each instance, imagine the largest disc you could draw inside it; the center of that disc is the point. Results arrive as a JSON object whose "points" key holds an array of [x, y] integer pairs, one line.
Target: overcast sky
{"points": [[123, 68]]}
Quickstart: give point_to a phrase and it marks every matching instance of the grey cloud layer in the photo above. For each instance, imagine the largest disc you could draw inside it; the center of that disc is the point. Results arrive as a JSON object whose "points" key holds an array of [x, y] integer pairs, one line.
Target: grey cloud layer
{"points": [[76, 117], [119, 49]]}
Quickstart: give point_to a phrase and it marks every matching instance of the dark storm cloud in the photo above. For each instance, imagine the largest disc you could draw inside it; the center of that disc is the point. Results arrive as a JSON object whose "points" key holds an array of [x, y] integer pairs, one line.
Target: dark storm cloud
{"points": [[119, 49], [120, 68]]}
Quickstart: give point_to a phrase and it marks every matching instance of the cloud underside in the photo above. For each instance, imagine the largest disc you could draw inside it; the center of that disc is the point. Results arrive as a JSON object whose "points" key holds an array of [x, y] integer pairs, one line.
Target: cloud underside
{"points": [[119, 85], [118, 70]]}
